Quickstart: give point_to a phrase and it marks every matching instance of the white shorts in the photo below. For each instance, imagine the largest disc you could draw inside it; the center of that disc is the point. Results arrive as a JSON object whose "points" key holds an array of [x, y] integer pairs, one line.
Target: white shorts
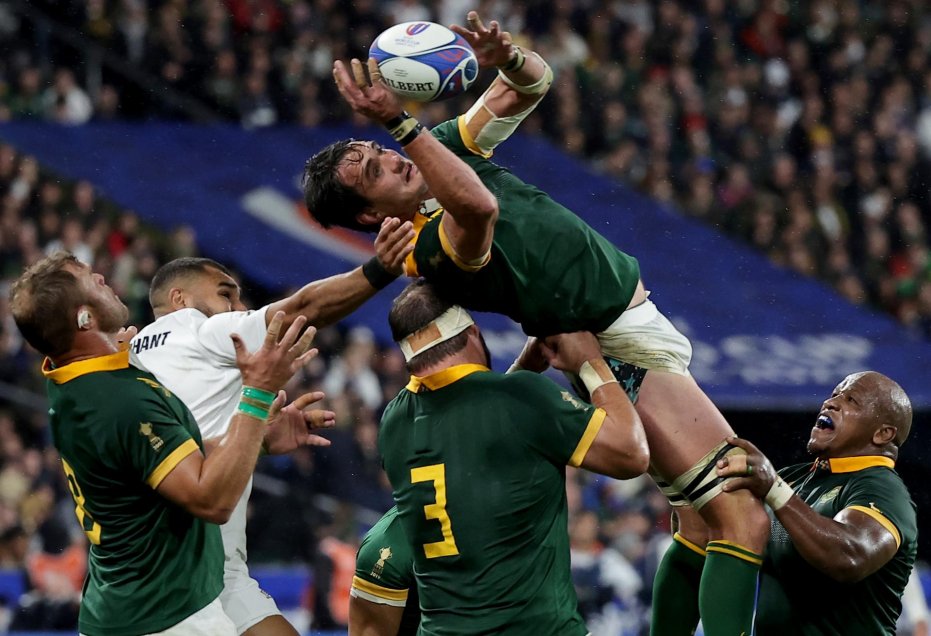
{"points": [[243, 600], [209, 621], [644, 337]]}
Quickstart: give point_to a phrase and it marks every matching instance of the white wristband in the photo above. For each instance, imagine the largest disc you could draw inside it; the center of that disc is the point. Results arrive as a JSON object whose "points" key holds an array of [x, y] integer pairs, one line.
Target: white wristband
{"points": [[779, 494], [595, 374]]}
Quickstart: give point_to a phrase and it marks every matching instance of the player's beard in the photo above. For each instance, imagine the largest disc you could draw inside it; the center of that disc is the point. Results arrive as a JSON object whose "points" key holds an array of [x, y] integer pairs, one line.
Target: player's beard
{"points": [[112, 316]]}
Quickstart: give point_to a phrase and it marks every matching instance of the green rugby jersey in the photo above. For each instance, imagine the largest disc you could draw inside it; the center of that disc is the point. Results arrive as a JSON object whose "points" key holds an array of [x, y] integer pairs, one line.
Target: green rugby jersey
{"points": [[119, 433], [795, 598], [548, 270], [477, 463], [385, 570]]}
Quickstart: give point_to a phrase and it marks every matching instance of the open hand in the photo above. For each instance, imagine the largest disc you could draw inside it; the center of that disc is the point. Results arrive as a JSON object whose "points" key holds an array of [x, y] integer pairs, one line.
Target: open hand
{"points": [[492, 46], [274, 363], [394, 242], [290, 427], [366, 93]]}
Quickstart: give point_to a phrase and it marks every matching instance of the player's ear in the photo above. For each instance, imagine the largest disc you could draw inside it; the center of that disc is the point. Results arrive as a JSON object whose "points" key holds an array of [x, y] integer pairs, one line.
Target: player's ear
{"points": [[176, 298], [369, 216], [884, 435]]}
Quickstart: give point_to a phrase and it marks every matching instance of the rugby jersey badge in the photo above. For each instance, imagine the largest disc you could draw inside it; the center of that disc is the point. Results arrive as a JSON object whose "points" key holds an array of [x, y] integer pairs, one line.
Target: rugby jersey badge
{"points": [[145, 429], [383, 555]]}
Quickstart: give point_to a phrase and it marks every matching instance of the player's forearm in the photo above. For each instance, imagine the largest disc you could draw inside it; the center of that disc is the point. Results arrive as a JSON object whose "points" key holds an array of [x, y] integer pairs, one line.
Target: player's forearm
{"points": [[228, 467], [621, 445], [326, 301], [837, 549], [455, 185]]}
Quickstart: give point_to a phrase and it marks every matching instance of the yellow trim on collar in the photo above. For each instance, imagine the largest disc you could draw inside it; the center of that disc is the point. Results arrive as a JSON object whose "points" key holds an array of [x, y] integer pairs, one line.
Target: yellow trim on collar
{"points": [[467, 138], [410, 265], [110, 362], [853, 464], [443, 378]]}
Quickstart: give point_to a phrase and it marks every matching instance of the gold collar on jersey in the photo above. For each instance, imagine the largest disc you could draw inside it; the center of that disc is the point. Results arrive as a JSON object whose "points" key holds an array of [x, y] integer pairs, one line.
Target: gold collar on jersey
{"points": [[852, 464], [110, 362]]}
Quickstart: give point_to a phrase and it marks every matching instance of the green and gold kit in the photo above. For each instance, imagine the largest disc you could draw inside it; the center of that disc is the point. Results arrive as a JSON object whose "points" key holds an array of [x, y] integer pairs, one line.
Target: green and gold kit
{"points": [[385, 570], [796, 598], [119, 433], [477, 463], [547, 270]]}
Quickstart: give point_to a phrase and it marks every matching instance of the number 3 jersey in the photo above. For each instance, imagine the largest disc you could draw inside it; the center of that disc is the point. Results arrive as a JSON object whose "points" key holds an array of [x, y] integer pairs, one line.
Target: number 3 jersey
{"points": [[477, 462], [120, 433]]}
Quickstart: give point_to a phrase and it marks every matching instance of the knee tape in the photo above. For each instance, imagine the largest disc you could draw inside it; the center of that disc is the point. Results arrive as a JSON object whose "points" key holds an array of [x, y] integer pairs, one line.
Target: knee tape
{"points": [[700, 483]]}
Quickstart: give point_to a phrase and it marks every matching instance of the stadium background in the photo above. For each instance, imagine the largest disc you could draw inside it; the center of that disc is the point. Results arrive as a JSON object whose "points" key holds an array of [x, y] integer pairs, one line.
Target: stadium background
{"points": [[767, 161]]}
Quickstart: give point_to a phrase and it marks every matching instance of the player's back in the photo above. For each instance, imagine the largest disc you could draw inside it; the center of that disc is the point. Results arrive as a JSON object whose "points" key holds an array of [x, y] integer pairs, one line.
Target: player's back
{"points": [[548, 270], [482, 498], [193, 356]]}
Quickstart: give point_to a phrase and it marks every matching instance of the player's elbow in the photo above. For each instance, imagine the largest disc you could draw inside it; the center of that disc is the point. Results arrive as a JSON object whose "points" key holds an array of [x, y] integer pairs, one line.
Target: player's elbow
{"points": [[216, 515], [211, 511], [486, 209], [632, 462]]}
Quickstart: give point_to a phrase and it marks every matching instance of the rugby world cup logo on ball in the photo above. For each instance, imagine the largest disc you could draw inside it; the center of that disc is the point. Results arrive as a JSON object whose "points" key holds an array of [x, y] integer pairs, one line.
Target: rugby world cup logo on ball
{"points": [[424, 61]]}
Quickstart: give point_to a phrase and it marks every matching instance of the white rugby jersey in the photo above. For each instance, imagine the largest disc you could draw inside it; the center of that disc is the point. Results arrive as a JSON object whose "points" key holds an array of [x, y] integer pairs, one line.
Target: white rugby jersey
{"points": [[193, 357]]}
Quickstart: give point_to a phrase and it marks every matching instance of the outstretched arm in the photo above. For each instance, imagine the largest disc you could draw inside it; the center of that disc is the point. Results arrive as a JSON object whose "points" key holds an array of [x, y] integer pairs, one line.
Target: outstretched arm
{"points": [[329, 300], [848, 547], [523, 79]]}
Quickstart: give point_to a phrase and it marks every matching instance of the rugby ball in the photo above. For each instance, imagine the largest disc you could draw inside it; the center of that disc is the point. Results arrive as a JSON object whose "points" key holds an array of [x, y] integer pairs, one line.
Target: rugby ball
{"points": [[424, 61]]}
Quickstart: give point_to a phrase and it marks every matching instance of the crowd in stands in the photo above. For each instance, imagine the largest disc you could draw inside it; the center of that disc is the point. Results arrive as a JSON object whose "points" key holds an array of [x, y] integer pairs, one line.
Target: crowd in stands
{"points": [[802, 128]]}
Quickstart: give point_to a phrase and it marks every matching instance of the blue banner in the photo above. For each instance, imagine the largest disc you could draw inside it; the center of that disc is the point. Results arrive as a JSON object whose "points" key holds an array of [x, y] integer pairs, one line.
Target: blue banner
{"points": [[764, 337]]}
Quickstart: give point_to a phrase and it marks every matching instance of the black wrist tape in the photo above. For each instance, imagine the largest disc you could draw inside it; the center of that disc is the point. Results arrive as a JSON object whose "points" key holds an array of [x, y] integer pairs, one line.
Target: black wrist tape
{"points": [[376, 274]]}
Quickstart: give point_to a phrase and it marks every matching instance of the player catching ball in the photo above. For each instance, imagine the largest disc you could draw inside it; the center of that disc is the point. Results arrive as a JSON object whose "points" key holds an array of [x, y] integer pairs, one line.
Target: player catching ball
{"points": [[492, 242]]}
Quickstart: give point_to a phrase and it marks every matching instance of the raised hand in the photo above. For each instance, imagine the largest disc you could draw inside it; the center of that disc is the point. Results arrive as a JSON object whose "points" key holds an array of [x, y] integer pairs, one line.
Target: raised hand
{"points": [[273, 364], [289, 427], [366, 93], [567, 351], [393, 244], [492, 46]]}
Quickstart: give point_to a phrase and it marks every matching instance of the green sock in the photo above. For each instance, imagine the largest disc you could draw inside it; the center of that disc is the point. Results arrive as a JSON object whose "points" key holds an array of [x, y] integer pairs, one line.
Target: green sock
{"points": [[728, 589], [675, 589]]}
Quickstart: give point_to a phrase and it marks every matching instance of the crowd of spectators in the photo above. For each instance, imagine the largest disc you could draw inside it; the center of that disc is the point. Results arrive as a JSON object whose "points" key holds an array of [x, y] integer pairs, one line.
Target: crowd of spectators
{"points": [[803, 128]]}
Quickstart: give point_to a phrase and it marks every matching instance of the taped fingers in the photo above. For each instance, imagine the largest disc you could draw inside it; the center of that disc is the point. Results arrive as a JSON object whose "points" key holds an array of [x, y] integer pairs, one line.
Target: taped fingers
{"points": [[374, 71], [475, 22], [358, 73]]}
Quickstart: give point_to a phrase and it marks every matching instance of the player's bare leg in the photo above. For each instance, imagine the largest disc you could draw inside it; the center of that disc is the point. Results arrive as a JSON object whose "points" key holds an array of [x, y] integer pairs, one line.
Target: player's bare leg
{"points": [[275, 625], [682, 426]]}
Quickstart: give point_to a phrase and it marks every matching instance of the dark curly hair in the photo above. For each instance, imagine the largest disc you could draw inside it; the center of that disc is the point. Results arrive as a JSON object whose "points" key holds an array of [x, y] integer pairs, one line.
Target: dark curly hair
{"points": [[328, 200]]}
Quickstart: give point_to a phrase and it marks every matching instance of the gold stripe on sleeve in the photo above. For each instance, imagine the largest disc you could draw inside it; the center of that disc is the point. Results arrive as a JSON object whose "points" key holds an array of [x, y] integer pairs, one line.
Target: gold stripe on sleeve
{"points": [[594, 425], [168, 464], [882, 519], [467, 266], [377, 590]]}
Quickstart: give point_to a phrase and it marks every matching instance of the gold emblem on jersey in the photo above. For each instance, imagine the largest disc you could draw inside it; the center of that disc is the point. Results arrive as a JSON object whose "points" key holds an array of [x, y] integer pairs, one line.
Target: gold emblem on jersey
{"points": [[155, 385], [145, 429], [568, 397], [829, 496], [384, 554]]}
